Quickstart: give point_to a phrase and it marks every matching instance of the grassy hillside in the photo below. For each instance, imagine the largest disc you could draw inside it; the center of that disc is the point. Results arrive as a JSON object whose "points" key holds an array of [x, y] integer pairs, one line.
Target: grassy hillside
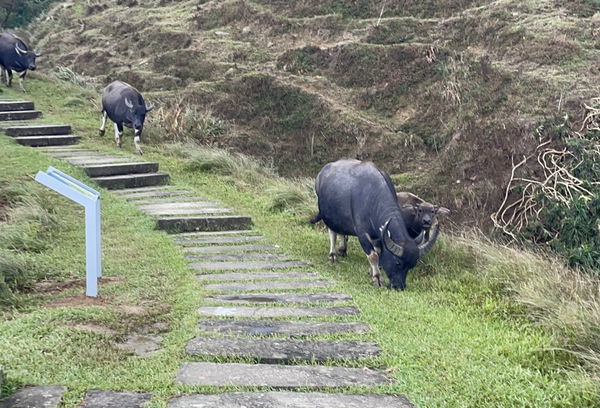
{"points": [[479, 325]]}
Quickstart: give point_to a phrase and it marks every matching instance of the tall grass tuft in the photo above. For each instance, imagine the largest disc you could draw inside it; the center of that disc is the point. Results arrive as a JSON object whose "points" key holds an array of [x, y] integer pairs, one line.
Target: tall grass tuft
{"points": [[67, 74]]}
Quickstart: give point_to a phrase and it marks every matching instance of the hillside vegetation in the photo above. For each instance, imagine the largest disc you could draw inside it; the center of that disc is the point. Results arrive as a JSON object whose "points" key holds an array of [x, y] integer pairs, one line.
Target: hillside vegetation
{"points": [[446, 95]]}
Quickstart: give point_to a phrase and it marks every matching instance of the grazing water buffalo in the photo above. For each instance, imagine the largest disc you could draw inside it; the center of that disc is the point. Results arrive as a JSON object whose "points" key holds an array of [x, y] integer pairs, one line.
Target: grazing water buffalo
{"points": [[356, 198], [419, 215], [15, 56], [125, 106]]}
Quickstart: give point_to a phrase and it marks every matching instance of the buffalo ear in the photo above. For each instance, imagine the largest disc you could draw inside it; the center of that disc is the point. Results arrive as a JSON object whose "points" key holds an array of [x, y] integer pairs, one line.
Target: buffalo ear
{"points": [[442, 211]]}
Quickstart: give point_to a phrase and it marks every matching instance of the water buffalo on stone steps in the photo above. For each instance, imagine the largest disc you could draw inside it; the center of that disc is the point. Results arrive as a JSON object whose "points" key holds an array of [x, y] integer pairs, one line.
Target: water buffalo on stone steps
{"points": [[125, 106], [419, 215], [15, 56], [356, 198]]}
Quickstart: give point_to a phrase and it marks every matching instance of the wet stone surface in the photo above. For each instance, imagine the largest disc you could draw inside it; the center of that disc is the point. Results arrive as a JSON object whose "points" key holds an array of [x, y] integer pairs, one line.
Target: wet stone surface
{"points": [[248, 256], [282, 350], [280, 298], [246, 311], [141, 344], [276, 327], [37, 396], [230, 248], [268, 285], [112, 399], [227, 266], [277, 376], [248, 276], [289, 400]]}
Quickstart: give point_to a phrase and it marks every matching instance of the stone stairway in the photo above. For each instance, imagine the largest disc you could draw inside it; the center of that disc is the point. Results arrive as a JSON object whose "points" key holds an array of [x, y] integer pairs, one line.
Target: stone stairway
{"points": [[268, 318]]}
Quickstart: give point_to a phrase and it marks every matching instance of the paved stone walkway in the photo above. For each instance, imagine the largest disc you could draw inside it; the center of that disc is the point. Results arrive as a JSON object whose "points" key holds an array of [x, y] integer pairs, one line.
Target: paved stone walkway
{"points": [[264, 319]]}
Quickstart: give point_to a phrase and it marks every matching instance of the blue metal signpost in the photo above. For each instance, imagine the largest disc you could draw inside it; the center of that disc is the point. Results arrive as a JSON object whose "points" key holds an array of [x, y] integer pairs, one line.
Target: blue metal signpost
{"points": [[86, 196]]}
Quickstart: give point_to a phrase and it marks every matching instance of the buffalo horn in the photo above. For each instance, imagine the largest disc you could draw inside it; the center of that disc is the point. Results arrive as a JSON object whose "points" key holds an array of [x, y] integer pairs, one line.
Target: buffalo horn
{"points": [[38, 54], [19, 50], [394, 248], [149, 107], [419, 238], [128, 103], [427, 245]]}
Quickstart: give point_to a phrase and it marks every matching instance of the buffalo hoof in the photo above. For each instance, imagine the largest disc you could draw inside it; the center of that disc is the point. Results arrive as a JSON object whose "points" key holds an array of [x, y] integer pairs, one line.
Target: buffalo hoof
{"points": [[140, 152], [342, 252], [377, 282], [101, 132], [332, 259]]}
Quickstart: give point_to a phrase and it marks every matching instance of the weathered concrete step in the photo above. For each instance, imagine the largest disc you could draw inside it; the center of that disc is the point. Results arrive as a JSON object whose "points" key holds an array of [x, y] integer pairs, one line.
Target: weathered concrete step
{"points": [[35, 141], [132, 180], [97, 160], [250, 298], [280, 399], [112, 399], [173, 199], [247, 256], [119, 169], [37, 396], [277, 376], [249, 265], [231, 248], [11, 106], [38, 130], [217, 240], [142, 190], [166, 193], [188, 211], [278, 327], [268, 312], [213, 233], [283, 350], [270, 285], [211, 223], [256, 276], [20, 115], [178, 205]]}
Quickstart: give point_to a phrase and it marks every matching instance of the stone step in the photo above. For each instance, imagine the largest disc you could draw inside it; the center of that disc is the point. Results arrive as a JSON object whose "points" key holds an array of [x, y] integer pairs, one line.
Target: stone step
{"points": [[148, 194], [132, 180], [277, 376], [211, 223], [278, 327], [214, 233], [230, 248], [223, 277], [251, 298], [112, 399], [174, 199], [282, 350], [48, 396], [188, 203], [11, 106], [270, 312], [269, 285], [187, 211], [248, 256], [248, 265], [142, 189], [58, 140], [98, 160], [38, 130], [217, 240], [282, 399], [120, 169], [19, 115]]}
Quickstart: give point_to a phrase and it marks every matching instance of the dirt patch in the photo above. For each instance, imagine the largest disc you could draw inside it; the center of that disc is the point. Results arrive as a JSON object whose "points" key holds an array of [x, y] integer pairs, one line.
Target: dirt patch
{"points": [[94, 328], [78, 300], [54, 287]]}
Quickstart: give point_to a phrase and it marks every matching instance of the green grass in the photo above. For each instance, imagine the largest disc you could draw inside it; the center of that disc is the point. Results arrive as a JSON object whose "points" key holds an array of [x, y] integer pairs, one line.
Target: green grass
{"points": [[450, 339]]}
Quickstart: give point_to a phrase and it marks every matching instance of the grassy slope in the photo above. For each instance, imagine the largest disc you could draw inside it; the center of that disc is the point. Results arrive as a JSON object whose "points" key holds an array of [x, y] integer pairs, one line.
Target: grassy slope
{"points": [[444, 337]]}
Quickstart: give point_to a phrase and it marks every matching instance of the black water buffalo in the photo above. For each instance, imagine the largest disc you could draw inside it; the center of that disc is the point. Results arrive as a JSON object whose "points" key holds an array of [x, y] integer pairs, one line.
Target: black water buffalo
{"points": [[356, 198], [125, 106], [15, 56], [419, 215]]}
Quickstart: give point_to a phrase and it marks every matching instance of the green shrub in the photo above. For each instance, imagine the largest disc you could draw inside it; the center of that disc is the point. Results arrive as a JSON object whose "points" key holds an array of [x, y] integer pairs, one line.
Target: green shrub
{"points": [[16, 13]]}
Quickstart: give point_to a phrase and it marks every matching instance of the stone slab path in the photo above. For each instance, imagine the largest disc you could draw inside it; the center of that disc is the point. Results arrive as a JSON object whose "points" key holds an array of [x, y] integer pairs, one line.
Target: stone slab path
{"points": [[263, 305]]}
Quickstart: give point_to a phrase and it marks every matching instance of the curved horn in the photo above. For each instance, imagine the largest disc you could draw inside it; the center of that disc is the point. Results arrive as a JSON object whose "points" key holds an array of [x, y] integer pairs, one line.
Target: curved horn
{"points": [[427, 245], [419, 238], [128, 103], [394, 248], [38, 54], [20, 50]]}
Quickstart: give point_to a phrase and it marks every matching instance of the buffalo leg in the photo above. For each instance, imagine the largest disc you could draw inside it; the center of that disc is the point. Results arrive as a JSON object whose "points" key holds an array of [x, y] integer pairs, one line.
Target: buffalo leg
{"points": [[332, 239], [343, 248], [21, 78], [373, 259], [3, 74], [103, 126], [136, 140], [10, 77], [118, 134]]}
